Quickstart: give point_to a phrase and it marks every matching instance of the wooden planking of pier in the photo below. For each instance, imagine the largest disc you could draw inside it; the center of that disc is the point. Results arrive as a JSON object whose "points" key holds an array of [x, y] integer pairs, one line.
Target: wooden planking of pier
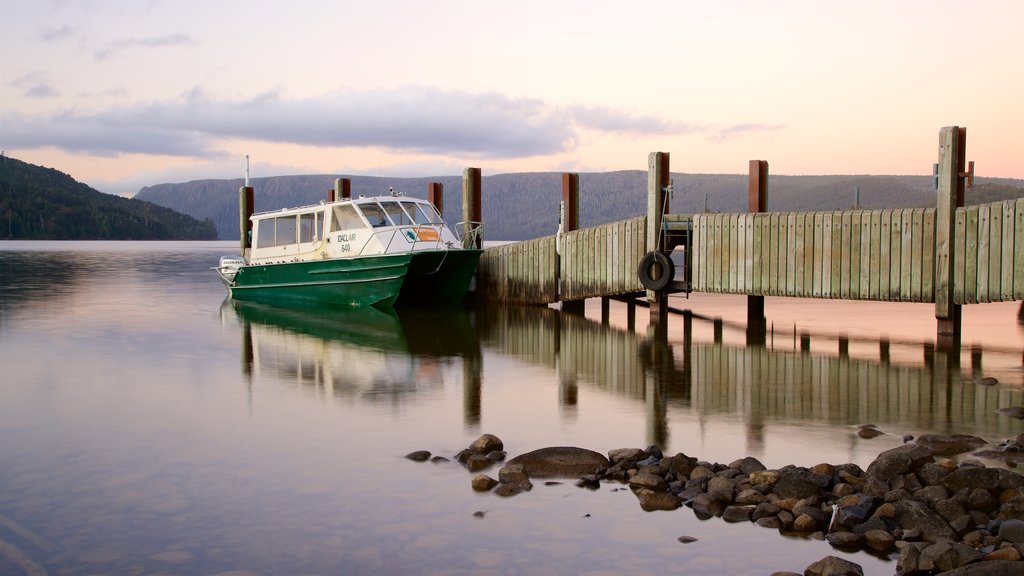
{"points": [[898, 255]]}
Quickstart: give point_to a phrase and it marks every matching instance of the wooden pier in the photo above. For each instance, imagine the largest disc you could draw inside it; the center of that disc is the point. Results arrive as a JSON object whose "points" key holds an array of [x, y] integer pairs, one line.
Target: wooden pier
{"points": [[948, 255]]}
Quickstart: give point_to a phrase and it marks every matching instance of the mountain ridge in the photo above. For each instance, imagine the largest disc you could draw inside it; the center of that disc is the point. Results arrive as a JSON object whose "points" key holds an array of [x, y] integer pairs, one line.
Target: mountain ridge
{"points": [[524, 205]]}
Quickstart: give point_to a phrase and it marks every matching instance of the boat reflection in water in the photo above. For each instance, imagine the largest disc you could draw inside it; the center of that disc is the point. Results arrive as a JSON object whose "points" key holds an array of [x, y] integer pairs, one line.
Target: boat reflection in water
{"points": [[360, 352], [770, 398]]}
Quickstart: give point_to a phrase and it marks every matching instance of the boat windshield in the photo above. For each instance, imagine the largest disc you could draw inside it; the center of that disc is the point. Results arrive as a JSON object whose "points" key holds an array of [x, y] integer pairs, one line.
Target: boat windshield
{"points": [[375, 215], [346, 218], [422, 213], [398, 216]]}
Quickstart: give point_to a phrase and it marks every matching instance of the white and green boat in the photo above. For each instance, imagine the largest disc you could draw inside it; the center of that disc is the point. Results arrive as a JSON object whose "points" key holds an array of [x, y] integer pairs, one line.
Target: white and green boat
{"points": [[375, 251]]}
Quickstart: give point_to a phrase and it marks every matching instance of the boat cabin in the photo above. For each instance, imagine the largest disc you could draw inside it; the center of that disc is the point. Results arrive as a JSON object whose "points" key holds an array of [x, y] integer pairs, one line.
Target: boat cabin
{"points": [[348, 228]]}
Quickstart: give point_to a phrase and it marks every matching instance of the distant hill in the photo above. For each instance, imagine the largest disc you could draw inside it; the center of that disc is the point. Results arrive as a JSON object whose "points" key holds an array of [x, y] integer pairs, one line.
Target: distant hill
{"points": [[38, 203], [521, 206]]}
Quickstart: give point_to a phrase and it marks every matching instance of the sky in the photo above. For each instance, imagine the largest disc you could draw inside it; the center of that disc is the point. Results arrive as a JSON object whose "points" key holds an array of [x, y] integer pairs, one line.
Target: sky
{"points": [[122, 94]]}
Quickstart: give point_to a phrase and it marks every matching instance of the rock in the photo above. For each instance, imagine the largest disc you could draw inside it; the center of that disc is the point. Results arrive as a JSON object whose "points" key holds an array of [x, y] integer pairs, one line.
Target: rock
{"points": [[749, 497], [997, 568], [1005, 553], [1013, 412], [833, 566], [496, 455], [648, 481], [915, 515], [986, 381], [1012, 530], [486, 443], [483, 483], [769, 522], [869, 433], [766, 477], [589, 481], [560, 462], [805, 523], [704, 506], [854, 509], [477, 462], [946, 555], [721, 489], [910, 557], [900, 460], [512, 473], [620, 454], [439, 459], [930, 474], [686, 539], [970, 478], [796, 483], [748, 465], [879, 540], [844, 539], [737, 513], [650, 500], [949, 445], [418, 456], [512, 488]]}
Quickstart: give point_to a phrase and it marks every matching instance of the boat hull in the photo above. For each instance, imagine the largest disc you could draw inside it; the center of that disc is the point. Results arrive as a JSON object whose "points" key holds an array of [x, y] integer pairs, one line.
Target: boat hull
{"points": [[350, 282], [439, 277]]}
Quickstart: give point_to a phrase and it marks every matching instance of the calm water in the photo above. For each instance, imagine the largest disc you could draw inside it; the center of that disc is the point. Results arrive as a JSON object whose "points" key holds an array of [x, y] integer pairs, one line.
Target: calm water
{"points": [[149, 426]]}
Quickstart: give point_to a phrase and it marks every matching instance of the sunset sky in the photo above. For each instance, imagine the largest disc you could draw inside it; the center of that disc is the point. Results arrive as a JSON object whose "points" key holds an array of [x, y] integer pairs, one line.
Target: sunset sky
{"points": [[123, 94]]}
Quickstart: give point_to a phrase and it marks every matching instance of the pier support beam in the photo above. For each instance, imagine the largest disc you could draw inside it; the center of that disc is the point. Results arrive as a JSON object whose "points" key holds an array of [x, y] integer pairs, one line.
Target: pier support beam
{"points": [[949, 197], [657, 206], [435, 195], [570, 220], [245, 209], [757, 194], [342, 189], [472, 211]]}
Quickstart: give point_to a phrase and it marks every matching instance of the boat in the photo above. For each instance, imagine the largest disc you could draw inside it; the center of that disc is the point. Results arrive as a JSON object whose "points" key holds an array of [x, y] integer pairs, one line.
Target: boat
{"points": [[368, 251]]}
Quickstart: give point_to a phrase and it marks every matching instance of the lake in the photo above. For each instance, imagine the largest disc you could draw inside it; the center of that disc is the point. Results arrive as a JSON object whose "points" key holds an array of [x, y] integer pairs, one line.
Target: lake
{"points": [[150, 426]]}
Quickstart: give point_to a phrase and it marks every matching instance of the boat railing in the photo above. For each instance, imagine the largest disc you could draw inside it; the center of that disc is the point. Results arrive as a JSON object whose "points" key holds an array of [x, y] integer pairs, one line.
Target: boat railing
{"points": [[376, 234], [469, 231]]}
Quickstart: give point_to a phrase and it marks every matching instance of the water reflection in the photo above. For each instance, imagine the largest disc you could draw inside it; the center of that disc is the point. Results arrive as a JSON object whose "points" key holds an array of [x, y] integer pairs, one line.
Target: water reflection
{"points": [[388, 356], [381, 356]]}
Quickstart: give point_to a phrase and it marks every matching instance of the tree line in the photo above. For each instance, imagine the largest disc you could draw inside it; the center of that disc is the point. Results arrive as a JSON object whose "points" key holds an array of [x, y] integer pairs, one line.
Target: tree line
{"points": [[38, 203]]}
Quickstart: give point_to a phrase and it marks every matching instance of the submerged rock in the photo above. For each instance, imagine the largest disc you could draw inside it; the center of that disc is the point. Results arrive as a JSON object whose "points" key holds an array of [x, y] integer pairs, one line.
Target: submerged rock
{"points": [[560, 462]]}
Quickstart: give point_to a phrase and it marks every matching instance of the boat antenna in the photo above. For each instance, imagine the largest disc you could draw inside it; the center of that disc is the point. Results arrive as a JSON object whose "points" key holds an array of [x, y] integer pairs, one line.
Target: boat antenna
{"points": [[247, 170]]}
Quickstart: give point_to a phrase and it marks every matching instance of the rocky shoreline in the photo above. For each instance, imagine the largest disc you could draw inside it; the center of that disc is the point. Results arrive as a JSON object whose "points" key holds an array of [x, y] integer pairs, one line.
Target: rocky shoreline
{"points": [[938, 515]]}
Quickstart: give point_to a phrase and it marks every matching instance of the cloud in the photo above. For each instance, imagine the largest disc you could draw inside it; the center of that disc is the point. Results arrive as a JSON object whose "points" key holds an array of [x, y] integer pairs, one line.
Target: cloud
{"points": [[57, 34], [34, 85], [125, 44], [415, 119], [721, 134]]}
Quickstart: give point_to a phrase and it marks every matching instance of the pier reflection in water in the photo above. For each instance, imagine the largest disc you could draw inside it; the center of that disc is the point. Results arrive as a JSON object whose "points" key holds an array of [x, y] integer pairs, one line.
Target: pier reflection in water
{"points": [[682, 383]]}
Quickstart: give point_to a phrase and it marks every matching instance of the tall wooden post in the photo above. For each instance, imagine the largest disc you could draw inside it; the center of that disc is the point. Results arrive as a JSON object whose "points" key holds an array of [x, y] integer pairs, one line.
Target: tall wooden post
{"points": [[435, 195], [950, 196], [570, 222], [472, 211], [245, 209], [757, 195], [342, 189], [657, 206]]}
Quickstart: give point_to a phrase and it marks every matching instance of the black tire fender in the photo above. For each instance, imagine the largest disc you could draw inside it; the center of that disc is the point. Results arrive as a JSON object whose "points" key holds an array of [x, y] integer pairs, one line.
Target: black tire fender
{"points": [[652, 263]]}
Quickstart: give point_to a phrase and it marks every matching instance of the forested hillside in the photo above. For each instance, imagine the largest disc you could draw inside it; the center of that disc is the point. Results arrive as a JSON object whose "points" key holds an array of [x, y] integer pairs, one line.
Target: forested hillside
{"points": [[38, 203], [520, 206]]}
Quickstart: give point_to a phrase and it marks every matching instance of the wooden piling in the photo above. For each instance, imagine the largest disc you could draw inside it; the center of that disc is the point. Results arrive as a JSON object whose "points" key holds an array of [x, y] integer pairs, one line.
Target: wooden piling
{"points": [[435, 195], [757, 195], [949, 197], [472, 211], [657, 207], [571, 222], [342, 189], [245, 210]]}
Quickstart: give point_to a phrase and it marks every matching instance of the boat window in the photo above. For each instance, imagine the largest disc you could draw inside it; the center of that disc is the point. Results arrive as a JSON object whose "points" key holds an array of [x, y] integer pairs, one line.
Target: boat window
{"points": [[346, 218], [310, 226], [278, 231], [414, 211], [427, 213], [398, 216], [375, 215]]}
